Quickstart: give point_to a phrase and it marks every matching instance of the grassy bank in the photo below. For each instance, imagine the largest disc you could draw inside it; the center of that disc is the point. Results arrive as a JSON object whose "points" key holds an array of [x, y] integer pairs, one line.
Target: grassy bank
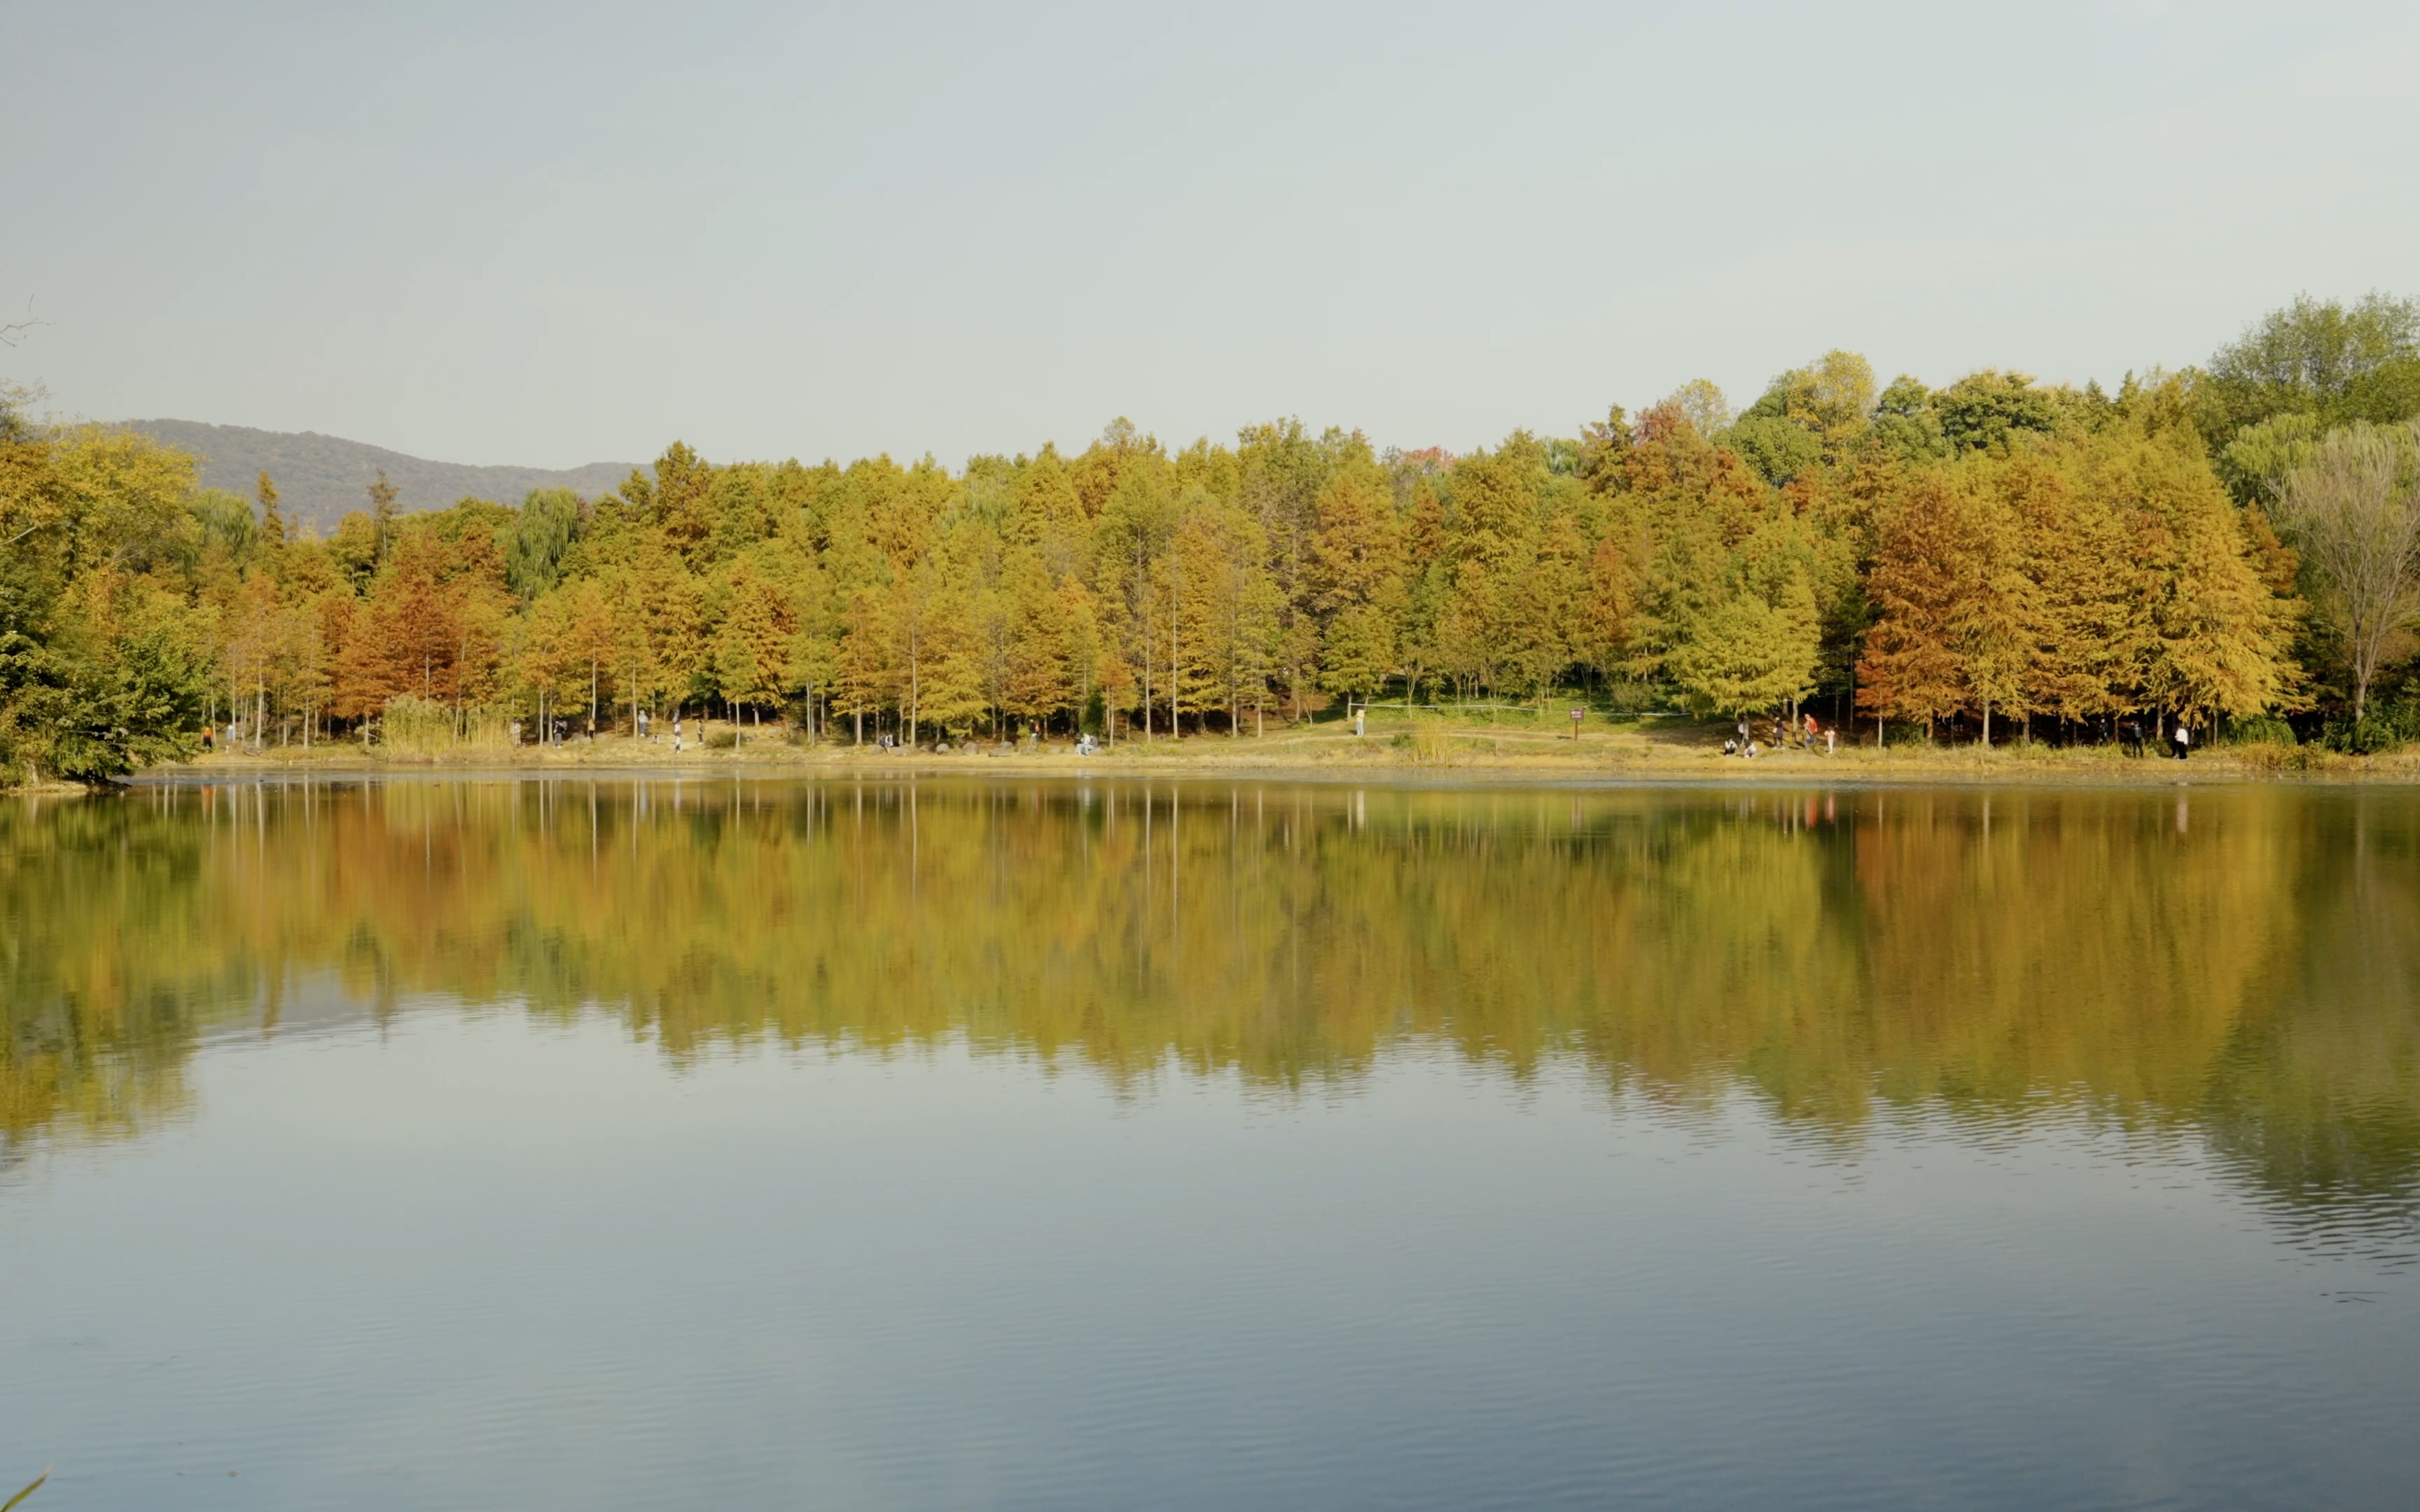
{"points": [[1494, 745]]}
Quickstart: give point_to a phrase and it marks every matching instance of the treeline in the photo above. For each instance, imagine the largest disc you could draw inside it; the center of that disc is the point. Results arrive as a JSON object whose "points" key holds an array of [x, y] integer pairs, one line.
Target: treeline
{"points": [[1996, 554]]}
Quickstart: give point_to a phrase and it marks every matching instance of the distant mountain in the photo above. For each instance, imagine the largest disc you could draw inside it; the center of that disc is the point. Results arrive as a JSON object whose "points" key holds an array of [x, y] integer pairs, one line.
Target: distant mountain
{"points": [[323, 478]]}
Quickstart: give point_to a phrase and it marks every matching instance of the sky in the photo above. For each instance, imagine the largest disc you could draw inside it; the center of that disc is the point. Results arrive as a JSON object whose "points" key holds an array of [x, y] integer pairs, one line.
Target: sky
{"points": [[546, 235]]}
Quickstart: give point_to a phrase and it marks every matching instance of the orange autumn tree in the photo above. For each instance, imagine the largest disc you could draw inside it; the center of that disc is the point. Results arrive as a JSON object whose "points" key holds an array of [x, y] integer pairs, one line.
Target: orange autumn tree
{"points": [[433, 623], [1911, 669]]}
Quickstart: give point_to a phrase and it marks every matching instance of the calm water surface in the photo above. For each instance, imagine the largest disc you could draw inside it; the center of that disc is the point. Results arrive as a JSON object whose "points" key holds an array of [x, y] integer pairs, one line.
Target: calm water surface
{"points": [[538, 1145]]}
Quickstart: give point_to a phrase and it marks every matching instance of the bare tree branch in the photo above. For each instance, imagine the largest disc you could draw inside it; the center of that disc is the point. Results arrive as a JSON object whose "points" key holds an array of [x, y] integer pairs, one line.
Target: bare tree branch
{"points": [[2353, 509], [11, 334]]}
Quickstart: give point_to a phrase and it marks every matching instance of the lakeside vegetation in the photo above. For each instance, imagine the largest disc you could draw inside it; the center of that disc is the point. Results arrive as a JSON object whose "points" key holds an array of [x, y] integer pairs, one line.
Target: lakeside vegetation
{"points": [[2235, 547], [1391, 742]]}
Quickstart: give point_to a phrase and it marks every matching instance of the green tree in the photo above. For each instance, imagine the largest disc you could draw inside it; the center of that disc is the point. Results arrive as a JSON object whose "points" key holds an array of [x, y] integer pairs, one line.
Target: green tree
{"points": [[273, 524], [2339, 363], [1807, 417], [1906, 423], [382, 496], [104, 663], [542, 531], [1986, 409], [1749, 654]]}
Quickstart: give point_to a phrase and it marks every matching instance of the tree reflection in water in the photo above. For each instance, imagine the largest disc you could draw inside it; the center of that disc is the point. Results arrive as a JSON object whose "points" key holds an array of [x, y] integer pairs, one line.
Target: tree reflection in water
{"points": [[2237, 967]]}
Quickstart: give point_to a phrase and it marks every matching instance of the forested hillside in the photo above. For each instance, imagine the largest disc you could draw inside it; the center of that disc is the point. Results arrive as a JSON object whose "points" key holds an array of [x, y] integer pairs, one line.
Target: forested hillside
{"points": [[1994, 558], [321, 479]]}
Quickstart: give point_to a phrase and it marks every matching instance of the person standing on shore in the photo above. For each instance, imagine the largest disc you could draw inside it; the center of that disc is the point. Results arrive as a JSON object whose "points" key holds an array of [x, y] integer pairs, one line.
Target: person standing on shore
{"points": [[2184, 740]]}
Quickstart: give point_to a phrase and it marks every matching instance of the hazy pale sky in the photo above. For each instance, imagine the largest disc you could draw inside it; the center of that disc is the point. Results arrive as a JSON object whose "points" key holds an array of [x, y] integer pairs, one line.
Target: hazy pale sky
{"points": [[551, 233]]}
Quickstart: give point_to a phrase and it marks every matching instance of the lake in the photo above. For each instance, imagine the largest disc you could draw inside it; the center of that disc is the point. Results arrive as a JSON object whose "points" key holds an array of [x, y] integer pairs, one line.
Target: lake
{"points": [[633, 1143]]}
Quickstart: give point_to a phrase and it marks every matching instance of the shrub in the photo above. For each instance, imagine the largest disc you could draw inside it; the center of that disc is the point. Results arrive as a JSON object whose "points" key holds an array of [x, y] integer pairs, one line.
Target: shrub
{"points": [[2258, 730], [2384, 728], [2277, 760], [1624, 695]]}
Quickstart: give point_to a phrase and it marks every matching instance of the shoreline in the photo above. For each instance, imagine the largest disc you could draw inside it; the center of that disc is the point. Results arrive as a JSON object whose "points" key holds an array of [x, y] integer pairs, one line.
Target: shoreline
{"points": [[1599, 758]]}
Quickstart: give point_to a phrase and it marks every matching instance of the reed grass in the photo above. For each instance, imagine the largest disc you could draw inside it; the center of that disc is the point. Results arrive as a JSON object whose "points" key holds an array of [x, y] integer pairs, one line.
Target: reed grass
{"points": [[414, 727]]}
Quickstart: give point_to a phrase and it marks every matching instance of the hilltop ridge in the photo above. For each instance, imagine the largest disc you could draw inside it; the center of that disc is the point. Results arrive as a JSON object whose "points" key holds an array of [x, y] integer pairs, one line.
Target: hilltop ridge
{"points": [[322, 478]]}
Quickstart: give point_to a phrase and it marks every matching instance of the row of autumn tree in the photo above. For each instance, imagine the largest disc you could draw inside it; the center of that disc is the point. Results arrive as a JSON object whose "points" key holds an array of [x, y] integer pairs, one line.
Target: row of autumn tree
{"points": [[1994, 553]]}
